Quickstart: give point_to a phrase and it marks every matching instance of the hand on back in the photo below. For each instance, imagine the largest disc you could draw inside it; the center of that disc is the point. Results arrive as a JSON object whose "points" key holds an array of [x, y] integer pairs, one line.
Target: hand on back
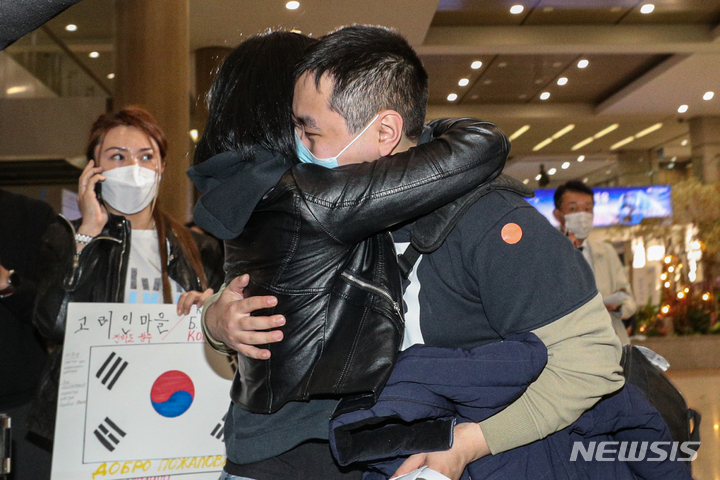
{"points": [[230, 320]]}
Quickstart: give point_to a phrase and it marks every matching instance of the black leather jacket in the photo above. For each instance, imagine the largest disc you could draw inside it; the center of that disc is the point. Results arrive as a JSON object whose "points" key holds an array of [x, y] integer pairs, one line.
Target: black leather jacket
{"points": [[98, 276], [318, 241]]}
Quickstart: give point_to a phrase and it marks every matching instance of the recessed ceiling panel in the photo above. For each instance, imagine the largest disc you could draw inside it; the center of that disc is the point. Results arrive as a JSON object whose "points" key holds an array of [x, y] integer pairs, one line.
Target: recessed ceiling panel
{"points": [[667, 12], [579, 12], [446, 71], [516, 78], [479, 12], [605, 75], [94, 20]]}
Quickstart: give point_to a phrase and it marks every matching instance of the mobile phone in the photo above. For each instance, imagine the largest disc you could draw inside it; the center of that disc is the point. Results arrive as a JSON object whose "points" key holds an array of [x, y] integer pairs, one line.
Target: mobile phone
{"points": [[98, 191]]}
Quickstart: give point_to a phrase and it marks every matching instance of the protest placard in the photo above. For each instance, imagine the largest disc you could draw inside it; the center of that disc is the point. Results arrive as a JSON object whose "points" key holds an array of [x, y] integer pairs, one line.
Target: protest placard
{"points": [[141, 396]]}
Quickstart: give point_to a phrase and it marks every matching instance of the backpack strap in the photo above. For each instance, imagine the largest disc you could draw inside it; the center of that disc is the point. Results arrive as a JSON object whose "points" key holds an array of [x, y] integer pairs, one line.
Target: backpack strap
{"points": [[407, 260]]}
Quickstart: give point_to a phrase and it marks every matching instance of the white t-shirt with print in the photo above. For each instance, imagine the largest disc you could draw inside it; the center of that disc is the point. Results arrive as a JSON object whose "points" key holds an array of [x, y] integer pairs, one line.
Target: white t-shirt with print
{"points": [[143, 283]]}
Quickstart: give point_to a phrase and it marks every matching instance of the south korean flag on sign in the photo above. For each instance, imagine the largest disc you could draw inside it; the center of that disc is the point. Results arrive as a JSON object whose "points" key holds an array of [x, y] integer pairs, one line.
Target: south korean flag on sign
{"points": [[141, 396]]}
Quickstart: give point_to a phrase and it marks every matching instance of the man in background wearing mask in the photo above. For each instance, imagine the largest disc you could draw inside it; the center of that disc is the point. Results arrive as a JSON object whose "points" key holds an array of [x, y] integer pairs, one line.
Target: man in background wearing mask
{"points": [[574, 210]]}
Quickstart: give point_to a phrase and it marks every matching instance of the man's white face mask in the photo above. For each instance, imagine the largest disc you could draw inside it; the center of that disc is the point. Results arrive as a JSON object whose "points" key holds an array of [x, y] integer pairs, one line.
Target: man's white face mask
{"points": [[130, 189], [579, 223]]}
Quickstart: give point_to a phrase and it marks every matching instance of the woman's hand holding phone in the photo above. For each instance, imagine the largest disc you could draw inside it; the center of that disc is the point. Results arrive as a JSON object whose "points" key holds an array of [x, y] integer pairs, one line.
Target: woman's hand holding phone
{"points": [[94, 213]]}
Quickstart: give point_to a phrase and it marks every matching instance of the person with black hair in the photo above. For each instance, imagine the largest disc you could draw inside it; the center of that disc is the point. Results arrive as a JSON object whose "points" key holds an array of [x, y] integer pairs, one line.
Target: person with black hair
{"points": [[314, 242], [501, 270], [574, 205]]}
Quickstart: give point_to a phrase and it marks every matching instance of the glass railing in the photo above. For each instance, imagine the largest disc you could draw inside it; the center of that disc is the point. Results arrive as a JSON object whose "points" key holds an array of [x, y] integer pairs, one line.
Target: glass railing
{"points": [[54, 67]]}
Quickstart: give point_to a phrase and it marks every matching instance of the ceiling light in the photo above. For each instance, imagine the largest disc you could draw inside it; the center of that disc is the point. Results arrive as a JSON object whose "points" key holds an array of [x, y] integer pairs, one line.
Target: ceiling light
{"points": [[682, 108], [292, 5], [70, 27], [648, 130], [516, 9], [566, 165], [543, 144], [93, 54], [14, 90], [463, 82], [582, 144], [708, 95], [519, 132], [476, 64], [552, 171], [110, 76], [583, 63], [562, 81], [605, 131], [581, 158], [622, 142], [684, 142], [452, 97], [647, 8], [544, 95], [538, 177], [562, 132], [526, 181]]}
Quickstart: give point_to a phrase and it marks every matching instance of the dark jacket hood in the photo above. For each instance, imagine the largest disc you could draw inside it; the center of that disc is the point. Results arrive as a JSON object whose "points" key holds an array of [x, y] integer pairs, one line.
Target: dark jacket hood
{"points": [[231, 188]]}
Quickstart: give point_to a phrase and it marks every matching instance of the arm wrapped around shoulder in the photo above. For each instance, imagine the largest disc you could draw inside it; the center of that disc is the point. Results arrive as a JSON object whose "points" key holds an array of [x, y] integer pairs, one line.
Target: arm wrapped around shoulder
{"points": [[355, 201]]}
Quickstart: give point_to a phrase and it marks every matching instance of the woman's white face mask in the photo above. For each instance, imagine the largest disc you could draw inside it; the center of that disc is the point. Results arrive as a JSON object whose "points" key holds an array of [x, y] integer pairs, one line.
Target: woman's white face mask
{"points": [[130, 189]]}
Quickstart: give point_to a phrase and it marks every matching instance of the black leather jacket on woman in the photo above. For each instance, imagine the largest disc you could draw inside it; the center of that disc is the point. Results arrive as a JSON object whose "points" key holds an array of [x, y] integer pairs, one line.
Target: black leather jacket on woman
{"points": [[318, 241], [98, 275]]}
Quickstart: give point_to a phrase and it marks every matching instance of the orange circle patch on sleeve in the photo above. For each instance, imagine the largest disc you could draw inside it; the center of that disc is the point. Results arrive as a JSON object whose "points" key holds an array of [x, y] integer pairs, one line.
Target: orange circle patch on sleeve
{"points": [[511, 233]]}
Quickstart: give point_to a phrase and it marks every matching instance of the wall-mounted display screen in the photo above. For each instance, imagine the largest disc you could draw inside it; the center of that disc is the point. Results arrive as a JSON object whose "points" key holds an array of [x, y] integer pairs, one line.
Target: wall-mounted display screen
{"points": [[616, 205]]}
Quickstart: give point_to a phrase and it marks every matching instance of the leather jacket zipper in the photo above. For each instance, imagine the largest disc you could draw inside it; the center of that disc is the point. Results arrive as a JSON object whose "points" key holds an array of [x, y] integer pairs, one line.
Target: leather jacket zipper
{"points": [[369, 286], [76, 257]]}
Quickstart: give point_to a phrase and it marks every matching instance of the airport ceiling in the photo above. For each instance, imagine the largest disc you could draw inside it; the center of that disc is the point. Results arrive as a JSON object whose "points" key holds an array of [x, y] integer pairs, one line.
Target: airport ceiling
{"points": [[576, 77]]}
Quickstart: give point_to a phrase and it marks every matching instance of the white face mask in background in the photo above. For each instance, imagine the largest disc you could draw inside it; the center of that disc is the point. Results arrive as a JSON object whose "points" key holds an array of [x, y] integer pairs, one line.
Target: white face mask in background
{"points": [[129, 189], [579, 223]]}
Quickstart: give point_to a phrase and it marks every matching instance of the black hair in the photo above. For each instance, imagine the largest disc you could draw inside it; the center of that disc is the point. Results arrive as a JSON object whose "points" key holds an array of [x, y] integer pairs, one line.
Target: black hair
{"points": [[373, 69], [572, 186], [250, 101]]}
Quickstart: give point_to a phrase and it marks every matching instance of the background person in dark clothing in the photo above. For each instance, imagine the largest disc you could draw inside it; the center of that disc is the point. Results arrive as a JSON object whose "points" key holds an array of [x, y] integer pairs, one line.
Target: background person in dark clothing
{"points": [[22, 355]]}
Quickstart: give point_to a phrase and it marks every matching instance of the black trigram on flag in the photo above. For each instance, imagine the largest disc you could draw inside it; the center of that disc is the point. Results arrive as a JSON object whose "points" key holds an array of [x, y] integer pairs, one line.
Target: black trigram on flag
{"points": [[107, 432], [219, 429], [114, 372]]}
